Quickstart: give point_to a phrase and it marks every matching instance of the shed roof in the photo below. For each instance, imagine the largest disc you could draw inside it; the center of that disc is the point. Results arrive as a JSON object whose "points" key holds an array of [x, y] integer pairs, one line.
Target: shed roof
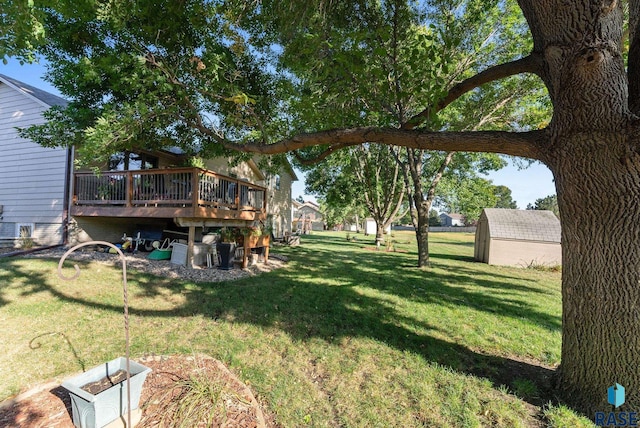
{"points": [[525, 225], [454, 216], [43, 96]]}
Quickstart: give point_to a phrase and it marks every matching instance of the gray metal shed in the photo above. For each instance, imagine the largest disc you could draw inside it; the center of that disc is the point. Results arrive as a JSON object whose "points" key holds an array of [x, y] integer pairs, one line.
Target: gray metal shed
{"points": [[518, 237]]}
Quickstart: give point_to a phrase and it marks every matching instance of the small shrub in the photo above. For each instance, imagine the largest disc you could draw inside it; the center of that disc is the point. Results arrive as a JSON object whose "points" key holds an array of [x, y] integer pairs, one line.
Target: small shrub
{"points": [[543, 267], [197, 400], [389, 245], [25, 241]]}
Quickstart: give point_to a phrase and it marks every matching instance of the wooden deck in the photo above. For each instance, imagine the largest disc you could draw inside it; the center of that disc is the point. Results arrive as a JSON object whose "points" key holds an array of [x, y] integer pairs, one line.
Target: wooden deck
{"points": [[192, 193]]}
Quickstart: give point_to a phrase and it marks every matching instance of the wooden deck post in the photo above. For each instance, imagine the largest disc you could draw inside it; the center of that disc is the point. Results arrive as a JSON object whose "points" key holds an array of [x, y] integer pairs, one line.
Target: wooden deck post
{"points": [[129, 189], [190, 246], [195, 189], [247, 250]]}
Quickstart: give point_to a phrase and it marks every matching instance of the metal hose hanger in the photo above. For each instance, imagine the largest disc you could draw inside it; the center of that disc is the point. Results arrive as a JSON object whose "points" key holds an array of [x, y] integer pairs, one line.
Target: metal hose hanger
{"points": [[125, 299]]}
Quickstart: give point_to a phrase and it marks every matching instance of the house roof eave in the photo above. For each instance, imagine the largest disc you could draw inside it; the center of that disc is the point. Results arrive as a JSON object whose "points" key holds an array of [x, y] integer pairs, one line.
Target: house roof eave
{"points": [[44, 98]]}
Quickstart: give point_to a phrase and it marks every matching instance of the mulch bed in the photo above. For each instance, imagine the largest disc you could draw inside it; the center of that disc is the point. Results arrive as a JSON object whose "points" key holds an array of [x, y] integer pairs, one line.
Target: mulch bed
{"points": [[49, 405]]}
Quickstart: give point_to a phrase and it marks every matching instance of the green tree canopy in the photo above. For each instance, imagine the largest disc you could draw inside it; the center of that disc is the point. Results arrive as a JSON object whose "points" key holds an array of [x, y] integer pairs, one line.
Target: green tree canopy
{"points": [[503, 197], [547, 203]]}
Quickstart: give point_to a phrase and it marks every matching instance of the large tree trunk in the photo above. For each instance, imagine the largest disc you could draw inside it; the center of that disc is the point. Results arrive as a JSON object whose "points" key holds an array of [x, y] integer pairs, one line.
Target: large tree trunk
{"points": [[599, 201], [591, 151], [379, 233], [422, 231], [413, 174]]}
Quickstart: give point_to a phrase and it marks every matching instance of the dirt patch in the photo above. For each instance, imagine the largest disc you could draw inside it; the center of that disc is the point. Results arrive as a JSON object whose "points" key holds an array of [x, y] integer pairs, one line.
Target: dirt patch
{"points": [[49, 405], [95, 388]]}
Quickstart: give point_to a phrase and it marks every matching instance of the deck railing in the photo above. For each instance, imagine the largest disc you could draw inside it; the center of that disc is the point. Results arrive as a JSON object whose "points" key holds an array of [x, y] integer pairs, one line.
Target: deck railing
{"points": [[168, 188]]}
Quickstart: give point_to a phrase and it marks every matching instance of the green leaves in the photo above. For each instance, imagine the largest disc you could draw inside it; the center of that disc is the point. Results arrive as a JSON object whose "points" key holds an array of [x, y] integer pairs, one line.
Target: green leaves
{"points": [[194, 73], [547, 203], [467, 197], [21, 30], [147, 74]]}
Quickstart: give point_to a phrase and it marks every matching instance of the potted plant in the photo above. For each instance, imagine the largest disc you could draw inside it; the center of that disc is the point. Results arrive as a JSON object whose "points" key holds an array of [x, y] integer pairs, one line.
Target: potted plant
{"points": [[99, 395], [250, 234], [106, 393], [226, 248]]}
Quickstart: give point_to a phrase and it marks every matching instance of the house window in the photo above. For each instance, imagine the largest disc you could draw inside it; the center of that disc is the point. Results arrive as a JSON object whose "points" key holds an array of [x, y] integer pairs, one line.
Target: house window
{"points": [[131, 161], [25, 230], [276, 183]]}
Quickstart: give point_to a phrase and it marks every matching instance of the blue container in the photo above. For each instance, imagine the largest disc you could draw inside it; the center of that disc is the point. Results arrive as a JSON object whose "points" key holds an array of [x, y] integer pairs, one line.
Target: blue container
{"points": [[96, 411]]}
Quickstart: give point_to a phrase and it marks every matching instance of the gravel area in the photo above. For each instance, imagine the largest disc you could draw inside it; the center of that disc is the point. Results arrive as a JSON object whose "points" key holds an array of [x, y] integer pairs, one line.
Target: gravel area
{"points": [[139, 262]]}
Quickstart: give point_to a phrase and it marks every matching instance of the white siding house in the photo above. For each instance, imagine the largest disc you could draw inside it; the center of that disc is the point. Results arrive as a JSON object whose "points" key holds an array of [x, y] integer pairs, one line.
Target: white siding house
{"points": [[279, 205], [451, 219], [33, 191]]}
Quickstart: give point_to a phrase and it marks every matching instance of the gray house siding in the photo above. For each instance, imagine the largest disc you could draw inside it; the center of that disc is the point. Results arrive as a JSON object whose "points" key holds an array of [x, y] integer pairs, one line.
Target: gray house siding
{"points": [[32, 178]]}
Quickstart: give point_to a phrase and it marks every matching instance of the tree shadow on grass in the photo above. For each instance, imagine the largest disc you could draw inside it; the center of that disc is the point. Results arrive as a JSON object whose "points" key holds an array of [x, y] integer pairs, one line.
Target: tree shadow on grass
{"points": [[458, 257], [320, 296], [17, 287], [454, 243]]}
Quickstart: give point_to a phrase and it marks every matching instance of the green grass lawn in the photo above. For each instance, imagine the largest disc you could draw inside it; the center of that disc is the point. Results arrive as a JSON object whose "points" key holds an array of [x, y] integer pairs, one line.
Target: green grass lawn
{"points": [[342, 336]]}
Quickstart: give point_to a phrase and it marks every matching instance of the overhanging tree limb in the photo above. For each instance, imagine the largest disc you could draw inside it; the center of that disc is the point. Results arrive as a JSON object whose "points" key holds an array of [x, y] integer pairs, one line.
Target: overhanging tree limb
{"points": [[528, 64], [311, 161], [524, 144]]}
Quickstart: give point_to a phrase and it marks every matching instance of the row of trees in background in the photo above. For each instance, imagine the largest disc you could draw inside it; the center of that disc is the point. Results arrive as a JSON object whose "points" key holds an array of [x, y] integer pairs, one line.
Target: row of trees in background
{"points": [[396, 46], [352, 191]]}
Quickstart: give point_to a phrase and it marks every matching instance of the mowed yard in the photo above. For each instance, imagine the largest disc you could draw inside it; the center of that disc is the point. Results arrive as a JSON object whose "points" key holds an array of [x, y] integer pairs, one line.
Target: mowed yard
{"points": [[342, 336]]}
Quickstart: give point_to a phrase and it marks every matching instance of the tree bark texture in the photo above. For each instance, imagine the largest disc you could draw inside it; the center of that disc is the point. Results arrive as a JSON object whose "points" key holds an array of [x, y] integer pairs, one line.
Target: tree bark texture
{"points": [[422, 231], [599, 200], [591, 150]]}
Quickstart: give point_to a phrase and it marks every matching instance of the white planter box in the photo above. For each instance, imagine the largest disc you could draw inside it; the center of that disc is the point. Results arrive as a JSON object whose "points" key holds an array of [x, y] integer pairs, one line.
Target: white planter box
{"points": [[96, 411]]}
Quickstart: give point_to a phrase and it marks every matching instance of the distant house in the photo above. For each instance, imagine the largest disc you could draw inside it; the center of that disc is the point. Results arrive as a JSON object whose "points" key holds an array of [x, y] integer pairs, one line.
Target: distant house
{"points": [[43, 198], [451, 219], [518, 237], [307, 217]]}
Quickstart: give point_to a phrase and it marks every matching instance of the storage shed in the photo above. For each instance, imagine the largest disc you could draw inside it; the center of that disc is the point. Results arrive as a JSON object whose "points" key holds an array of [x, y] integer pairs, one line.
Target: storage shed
{"points": [[518, 237], [371, 228]]}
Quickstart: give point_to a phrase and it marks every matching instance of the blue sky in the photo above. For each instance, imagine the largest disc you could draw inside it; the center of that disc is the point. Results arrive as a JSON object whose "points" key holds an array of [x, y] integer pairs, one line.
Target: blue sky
{"points": [[526, 185]]}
